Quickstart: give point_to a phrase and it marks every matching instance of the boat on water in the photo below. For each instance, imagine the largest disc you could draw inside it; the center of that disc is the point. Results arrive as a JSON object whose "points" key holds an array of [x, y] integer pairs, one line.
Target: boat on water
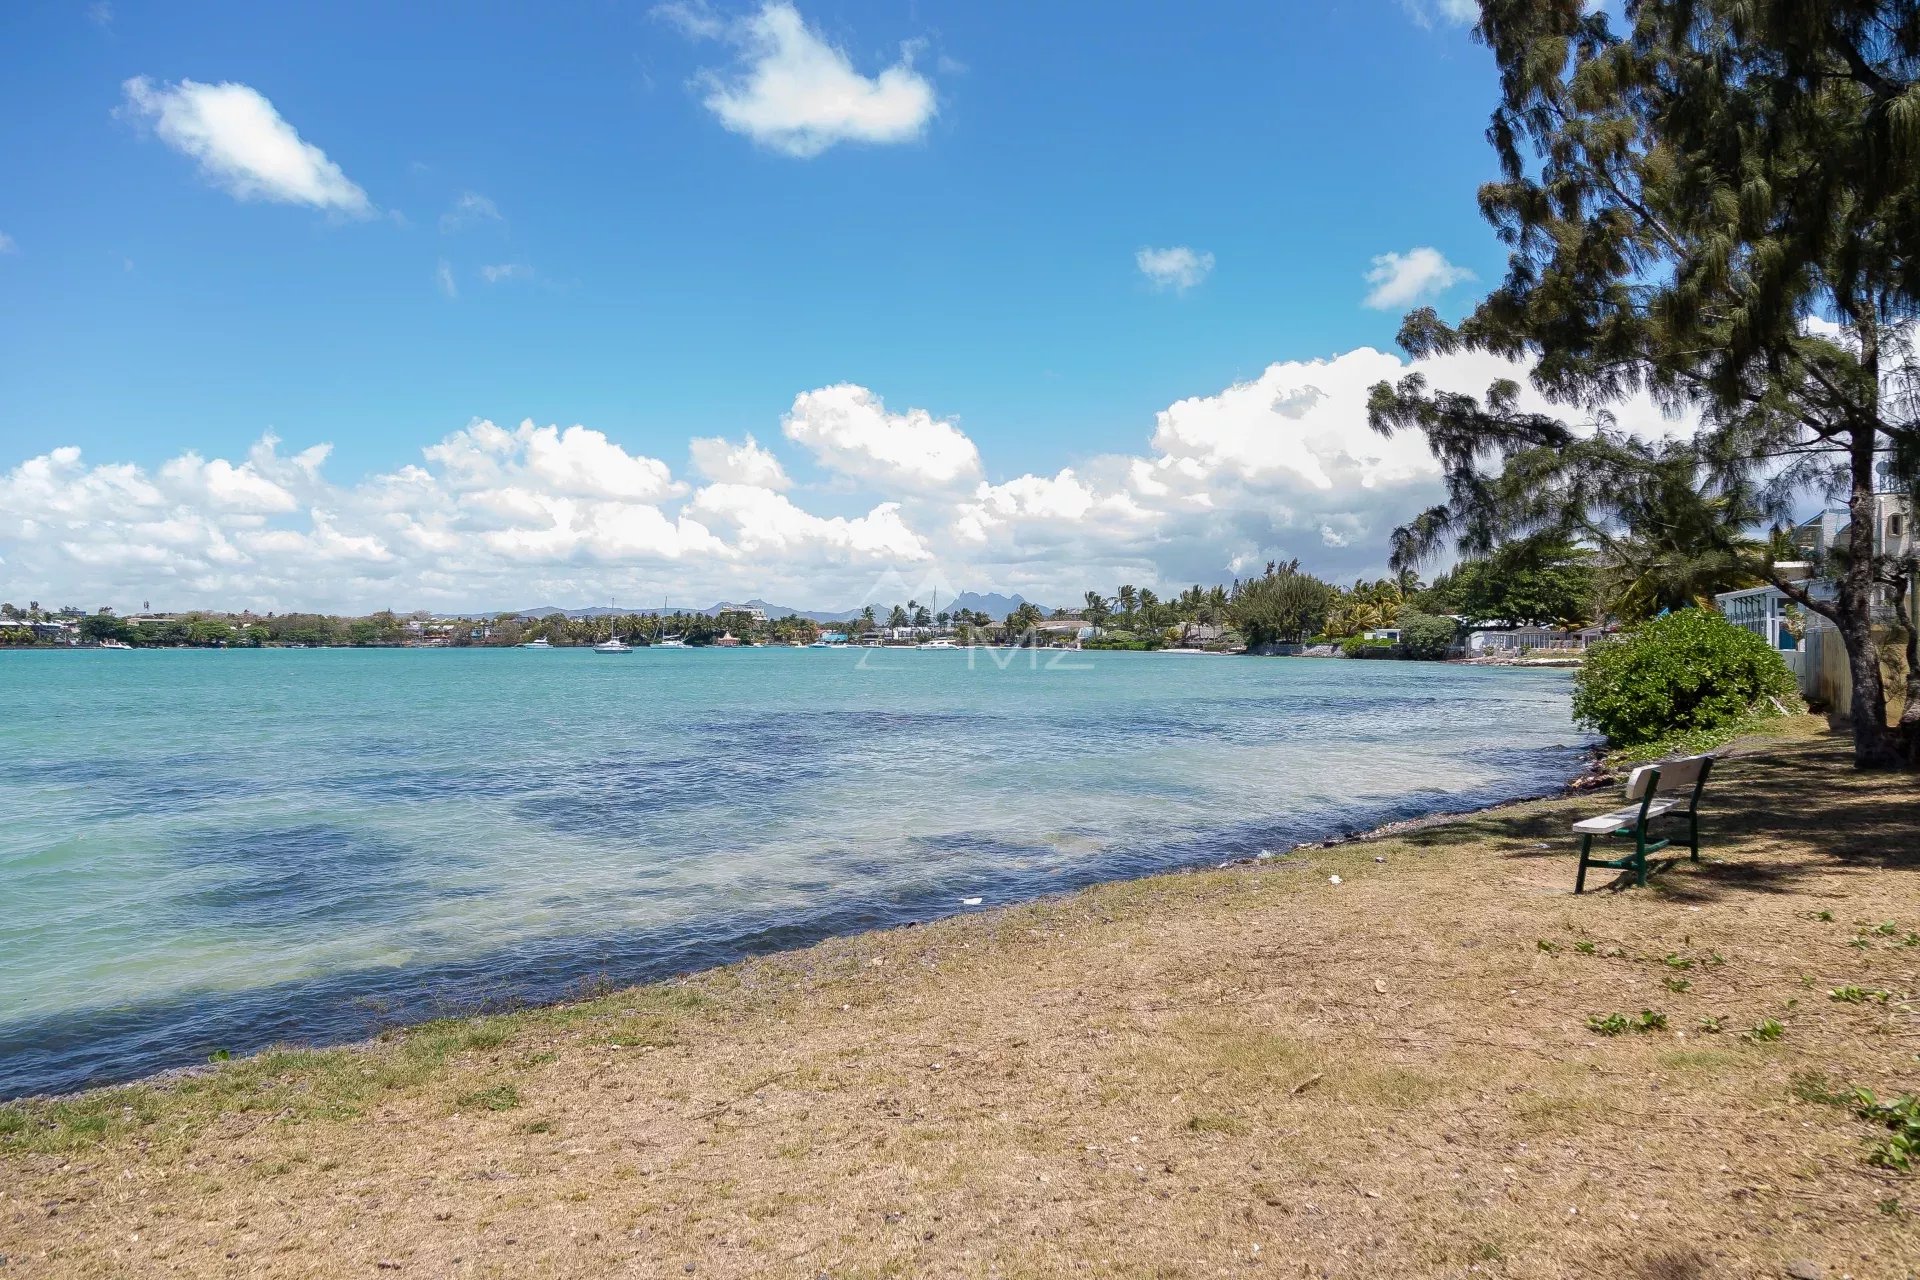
{"points": [[668, 642], [115, 644], [541, 643], [613, 643], [937, 644]]}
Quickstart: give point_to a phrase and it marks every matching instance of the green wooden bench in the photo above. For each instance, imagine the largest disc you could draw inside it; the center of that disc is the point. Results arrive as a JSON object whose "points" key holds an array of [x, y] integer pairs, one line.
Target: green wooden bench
{"points": [[1669, 789]]}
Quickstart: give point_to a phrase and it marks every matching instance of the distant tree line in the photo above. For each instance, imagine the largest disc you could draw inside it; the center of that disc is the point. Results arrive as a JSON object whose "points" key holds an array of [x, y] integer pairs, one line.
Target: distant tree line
{"points": [[1547, 580]]}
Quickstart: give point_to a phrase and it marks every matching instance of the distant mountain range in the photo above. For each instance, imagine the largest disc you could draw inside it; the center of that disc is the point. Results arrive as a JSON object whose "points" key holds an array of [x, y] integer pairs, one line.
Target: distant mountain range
{"points": [[991, 603]]}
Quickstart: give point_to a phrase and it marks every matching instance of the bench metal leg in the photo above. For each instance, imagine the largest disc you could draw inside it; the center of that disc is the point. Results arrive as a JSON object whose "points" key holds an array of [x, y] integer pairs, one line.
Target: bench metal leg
{"points": [[1580, 880], [1640, 855], [1693, 825]]}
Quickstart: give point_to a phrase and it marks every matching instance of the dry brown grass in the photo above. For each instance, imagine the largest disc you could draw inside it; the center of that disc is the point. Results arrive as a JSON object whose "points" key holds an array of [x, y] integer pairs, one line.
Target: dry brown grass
{"points": [[1249, 1071]]}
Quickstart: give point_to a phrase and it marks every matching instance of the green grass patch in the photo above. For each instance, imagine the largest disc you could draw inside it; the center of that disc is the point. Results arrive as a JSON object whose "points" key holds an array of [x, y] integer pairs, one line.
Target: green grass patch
{"points": [[500, 1097], [1707, 1061], [297, 1086], [1231, 1125]]}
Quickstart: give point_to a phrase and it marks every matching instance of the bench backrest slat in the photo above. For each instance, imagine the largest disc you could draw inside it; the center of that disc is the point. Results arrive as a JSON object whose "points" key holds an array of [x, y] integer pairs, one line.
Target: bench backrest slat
{"points": [[1672, 775]]}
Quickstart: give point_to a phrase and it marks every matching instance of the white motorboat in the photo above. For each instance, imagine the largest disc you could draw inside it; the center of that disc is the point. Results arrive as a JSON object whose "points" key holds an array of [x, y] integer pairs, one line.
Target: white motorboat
{"points": [[937, 644], [541, 643]]}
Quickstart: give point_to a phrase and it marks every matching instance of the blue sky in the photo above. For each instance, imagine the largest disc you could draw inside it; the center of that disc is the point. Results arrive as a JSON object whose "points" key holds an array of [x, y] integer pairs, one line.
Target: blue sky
{"points": [[619, 215]]}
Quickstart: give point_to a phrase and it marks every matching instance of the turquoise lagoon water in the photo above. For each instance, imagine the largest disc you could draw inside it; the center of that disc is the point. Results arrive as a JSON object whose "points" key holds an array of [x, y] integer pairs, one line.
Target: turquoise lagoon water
{"points": [[207, 850]]}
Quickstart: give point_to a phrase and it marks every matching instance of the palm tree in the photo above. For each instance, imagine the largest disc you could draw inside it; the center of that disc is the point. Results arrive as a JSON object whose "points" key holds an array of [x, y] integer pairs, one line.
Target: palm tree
{"points": [[1023, 620], [1680, 547]]}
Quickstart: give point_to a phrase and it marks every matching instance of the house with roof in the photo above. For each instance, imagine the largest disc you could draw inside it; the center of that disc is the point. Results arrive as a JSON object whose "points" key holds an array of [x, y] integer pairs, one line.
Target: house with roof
{"points": [[1494, 642], [1809, 644]]}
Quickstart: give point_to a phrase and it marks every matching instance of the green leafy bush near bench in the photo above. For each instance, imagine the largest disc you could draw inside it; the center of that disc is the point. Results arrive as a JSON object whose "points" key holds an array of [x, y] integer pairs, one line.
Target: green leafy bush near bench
{"points": [[1683, 673]]}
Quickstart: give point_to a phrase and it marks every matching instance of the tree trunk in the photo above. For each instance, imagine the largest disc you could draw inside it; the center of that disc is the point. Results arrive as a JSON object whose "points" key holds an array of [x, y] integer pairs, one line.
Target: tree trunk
{"points": [[1874, 744]]}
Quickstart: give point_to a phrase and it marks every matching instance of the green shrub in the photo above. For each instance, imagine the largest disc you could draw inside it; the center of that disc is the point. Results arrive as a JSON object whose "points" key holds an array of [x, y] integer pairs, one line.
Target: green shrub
{"points": [[1687, 671], [1361, 647], [1426, 635]]}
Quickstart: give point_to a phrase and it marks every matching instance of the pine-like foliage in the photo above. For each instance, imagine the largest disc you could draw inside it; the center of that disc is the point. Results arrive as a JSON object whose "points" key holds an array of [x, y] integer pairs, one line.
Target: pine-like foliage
{"points": [[1718, 204], [1282, 606]]}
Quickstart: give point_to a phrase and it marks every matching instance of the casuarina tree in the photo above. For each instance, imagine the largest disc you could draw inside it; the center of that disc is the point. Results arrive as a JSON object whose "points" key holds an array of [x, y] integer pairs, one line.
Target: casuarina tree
{"points": [[1283, 605], [1717, 202]]}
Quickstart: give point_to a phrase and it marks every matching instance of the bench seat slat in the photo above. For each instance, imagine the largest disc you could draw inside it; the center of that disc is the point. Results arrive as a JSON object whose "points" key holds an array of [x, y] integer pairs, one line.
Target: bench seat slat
{"points": [[1609, 822]]}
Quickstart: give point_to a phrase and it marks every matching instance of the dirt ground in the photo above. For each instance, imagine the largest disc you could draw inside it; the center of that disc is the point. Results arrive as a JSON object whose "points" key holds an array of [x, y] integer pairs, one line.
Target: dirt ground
{"points": [[1252, 1071]]}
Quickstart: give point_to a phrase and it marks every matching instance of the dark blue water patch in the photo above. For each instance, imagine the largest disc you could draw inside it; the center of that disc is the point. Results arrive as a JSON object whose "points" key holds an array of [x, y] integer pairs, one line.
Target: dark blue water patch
{"points": [[1524, 758], [976, 845], [837, 724], [752, 735], [110, 787], [625, 796], [414, 785], [84, 1048], [310, 874], [1255, 720], [862, 862]]}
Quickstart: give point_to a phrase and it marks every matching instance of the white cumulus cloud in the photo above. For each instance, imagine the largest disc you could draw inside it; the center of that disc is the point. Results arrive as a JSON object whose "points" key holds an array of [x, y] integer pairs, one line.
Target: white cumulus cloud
{"points": [[242, 145], [491, 516], [793, 91], [577, 462], [221, 485], [768, 524], [747, 463], [849, 430], [1177, 268], [1402, 278]]}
